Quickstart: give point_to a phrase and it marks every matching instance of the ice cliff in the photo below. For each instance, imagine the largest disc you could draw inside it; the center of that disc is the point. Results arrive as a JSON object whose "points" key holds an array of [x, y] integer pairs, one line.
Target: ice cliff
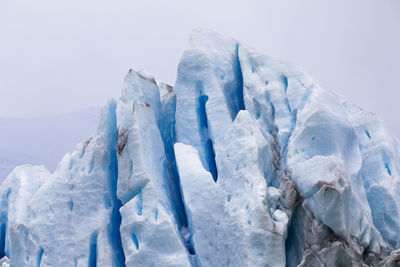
{"points": [[244, 162]]}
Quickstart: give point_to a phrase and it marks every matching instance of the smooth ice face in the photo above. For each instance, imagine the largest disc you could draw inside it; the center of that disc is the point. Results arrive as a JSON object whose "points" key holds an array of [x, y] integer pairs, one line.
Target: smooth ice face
{"points": [[208, 89], [141, 155], [325, 161], [245, 162], [149, 230], [149, 235], [204, 204], [139, 87], [379, 171]]}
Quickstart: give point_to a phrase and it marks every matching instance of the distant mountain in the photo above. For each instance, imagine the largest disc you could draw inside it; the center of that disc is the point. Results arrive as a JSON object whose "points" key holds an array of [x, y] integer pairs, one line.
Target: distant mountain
{"points": [[43, 140]]}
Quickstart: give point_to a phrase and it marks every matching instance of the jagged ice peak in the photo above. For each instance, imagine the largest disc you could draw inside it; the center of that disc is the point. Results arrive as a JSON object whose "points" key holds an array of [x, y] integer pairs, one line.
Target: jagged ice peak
{"points": [[246, 161]]}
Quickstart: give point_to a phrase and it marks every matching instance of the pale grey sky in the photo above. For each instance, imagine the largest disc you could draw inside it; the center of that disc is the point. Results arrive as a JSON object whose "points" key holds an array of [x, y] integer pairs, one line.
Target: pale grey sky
{"points": [[60, 56]]}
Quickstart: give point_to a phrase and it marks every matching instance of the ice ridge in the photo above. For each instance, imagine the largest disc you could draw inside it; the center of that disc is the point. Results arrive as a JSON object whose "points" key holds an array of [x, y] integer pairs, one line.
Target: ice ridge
{"points": [[246, 161]]}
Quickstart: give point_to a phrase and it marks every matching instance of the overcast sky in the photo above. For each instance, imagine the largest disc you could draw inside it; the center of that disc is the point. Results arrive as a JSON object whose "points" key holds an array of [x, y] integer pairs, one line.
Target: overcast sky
{"points": [[60, 56]]}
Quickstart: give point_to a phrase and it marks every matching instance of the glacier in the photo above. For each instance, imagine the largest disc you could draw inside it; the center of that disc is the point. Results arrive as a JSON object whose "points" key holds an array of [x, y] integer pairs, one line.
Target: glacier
{"points": [[245, 161]]}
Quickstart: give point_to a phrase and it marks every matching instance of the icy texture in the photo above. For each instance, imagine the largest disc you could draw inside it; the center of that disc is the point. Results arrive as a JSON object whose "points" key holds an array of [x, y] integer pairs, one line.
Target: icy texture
{"points": [[4, 262], [140, 148], [208, 94], [379, 171], [150, 235], [73, 217], [313, 144], [392, 261], [16, 192], [245, 162], [232, 215]]}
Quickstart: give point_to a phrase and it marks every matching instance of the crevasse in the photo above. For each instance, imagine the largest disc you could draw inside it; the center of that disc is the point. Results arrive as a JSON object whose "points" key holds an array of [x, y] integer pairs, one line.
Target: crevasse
{"points": [[246, 161]]}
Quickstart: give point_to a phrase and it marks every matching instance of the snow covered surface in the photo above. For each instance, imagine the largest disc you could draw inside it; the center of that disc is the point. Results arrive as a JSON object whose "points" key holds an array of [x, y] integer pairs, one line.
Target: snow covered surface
{"points": [[244, 162]]}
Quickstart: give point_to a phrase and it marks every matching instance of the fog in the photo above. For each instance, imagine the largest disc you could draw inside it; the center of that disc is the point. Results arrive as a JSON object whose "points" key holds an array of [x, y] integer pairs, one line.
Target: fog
{"points": [[61, 56]]}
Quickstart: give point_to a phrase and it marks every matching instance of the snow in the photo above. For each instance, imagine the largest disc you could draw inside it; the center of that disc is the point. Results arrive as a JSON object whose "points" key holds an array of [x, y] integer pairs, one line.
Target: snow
{"points": [[246, 161]]}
